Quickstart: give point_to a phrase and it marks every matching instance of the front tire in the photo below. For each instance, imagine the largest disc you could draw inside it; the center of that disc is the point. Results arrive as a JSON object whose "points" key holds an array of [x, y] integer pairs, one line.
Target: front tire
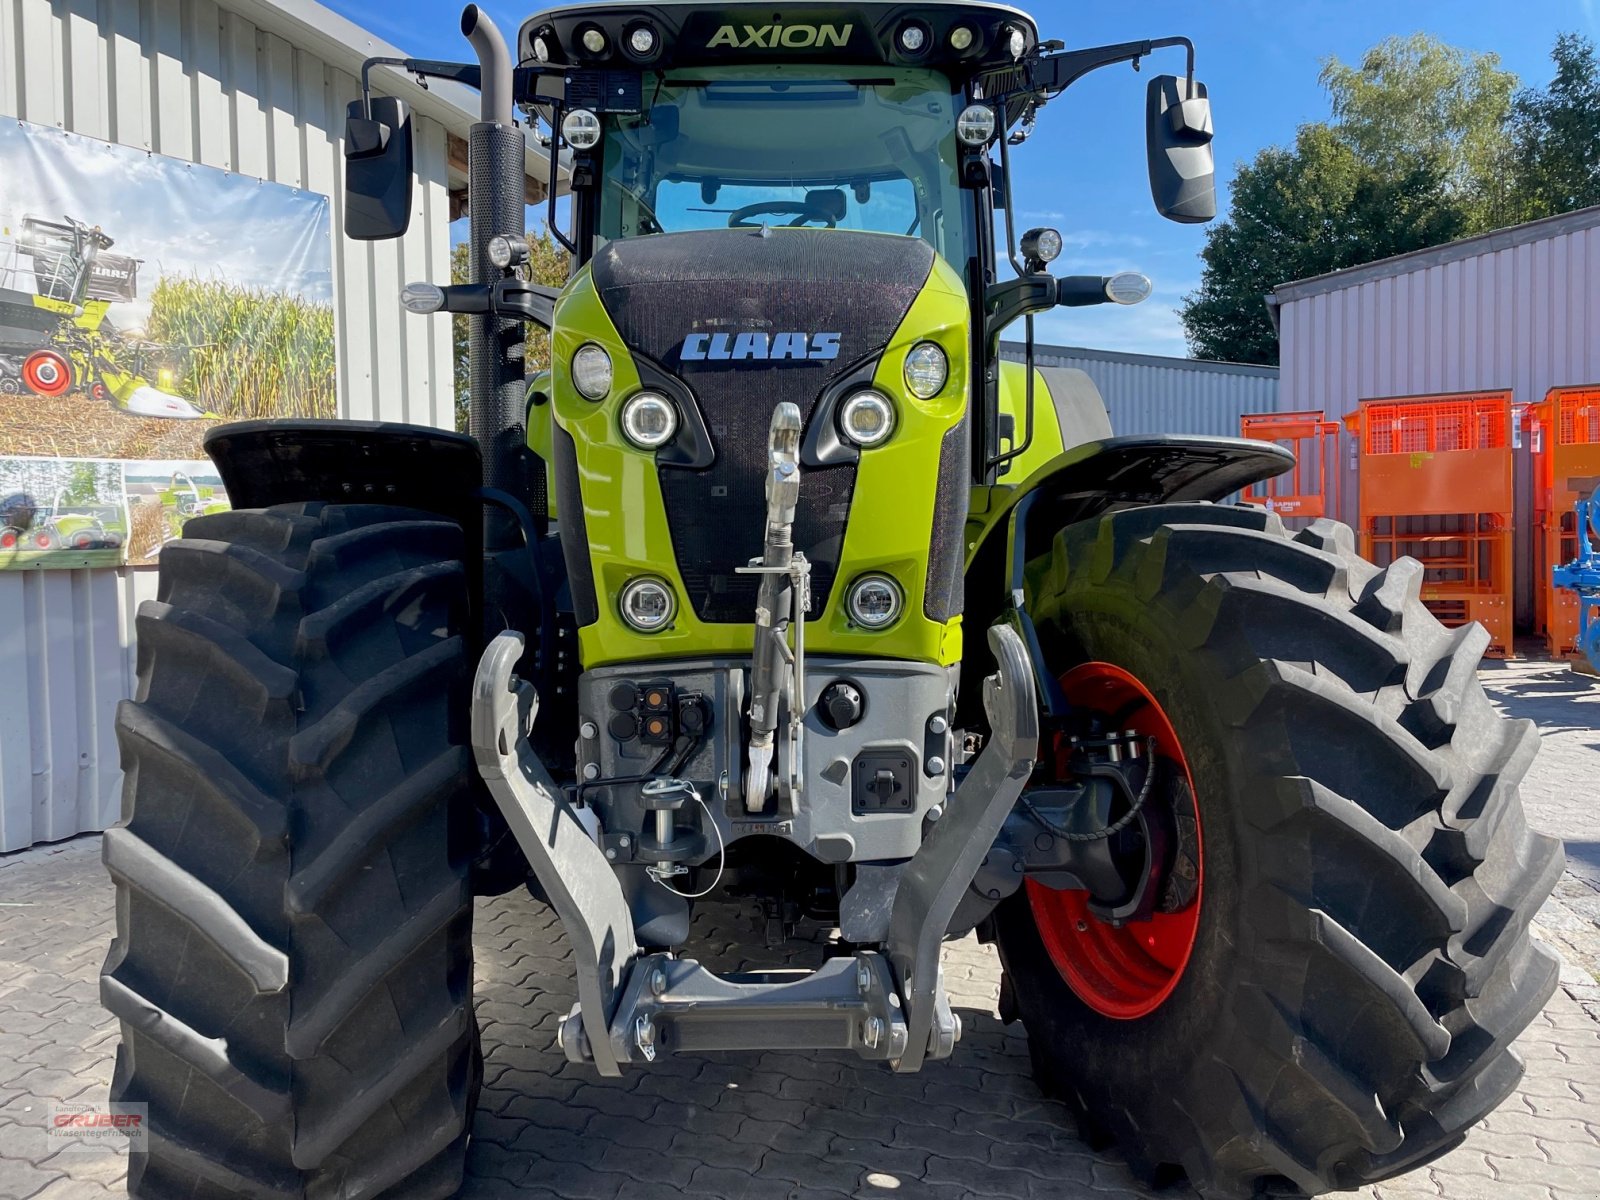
{"points": [[1361, 961], [293, 964]]}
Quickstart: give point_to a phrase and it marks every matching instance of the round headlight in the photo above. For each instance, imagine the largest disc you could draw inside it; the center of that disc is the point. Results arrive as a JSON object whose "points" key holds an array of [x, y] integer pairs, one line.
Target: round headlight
{"points": [[874, 601], [541, 49], [912, 38], [507, 251], [926, 370], [581, 128], [975, 125], [961, 38], [649, 420], [594, 41], [1016, 42], [648, 604], [642, 40], [1041, 245], [867, 418], [591, 371]]}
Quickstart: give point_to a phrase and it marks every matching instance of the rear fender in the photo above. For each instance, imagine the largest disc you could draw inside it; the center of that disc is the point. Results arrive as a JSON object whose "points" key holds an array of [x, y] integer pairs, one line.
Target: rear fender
{"points": [[1085, 482]]}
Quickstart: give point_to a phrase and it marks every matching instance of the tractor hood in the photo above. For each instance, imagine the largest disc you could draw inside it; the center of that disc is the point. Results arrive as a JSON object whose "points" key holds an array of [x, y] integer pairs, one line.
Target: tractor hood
{"points": [[747, 319]]}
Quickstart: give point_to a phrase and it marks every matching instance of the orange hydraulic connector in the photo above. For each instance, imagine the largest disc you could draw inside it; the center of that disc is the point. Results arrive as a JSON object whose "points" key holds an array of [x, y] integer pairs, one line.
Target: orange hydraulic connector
{"points": [[1436, 485], [1310, 490], [1564, 434]]}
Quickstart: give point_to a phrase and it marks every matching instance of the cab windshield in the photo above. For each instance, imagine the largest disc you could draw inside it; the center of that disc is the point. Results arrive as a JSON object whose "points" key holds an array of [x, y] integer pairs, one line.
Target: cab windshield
{"points": [[872, 149]]}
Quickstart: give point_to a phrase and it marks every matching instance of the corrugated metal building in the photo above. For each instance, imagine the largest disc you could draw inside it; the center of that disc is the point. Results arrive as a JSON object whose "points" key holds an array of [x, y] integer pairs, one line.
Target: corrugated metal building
{"points": [[1518, 308], [256, 87], [1148, 393]]}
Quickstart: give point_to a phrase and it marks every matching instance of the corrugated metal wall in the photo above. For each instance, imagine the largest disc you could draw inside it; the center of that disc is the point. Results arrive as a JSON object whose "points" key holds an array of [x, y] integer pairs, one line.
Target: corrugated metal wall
{"points": [[1523, 312], [1150, 394], [192, 80]]}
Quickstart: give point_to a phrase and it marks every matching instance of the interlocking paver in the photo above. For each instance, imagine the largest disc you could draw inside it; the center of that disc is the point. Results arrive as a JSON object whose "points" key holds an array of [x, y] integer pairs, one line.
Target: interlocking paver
{"points": [[783, 1126]]}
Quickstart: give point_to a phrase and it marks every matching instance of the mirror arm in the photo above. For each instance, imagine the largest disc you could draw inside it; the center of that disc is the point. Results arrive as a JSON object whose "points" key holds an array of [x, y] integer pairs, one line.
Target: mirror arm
{"points": [[1052, 72], [424, 69]]}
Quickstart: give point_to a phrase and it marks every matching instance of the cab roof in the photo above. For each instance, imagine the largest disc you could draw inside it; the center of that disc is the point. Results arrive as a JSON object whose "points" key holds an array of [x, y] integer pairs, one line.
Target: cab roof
{"points": [[744, 32]]}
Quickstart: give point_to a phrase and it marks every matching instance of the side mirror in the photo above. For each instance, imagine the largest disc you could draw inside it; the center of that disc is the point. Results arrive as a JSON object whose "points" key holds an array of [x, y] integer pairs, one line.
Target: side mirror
{"points": [[377, 170], [1183, 174]]}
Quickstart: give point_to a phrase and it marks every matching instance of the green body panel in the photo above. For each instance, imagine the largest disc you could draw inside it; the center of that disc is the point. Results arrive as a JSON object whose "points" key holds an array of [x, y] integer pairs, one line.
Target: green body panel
{"points": [[1047, 446], [891, 516], [1047, 440]]}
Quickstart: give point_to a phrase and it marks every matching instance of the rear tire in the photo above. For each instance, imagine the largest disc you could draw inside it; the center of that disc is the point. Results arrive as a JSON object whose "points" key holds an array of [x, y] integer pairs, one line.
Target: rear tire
{"points": [[293, 964], [1362, 961]]}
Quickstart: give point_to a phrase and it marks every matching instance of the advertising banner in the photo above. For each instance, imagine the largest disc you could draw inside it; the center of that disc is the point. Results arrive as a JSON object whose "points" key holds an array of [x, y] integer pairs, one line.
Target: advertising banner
{"points": [[143, 300]]}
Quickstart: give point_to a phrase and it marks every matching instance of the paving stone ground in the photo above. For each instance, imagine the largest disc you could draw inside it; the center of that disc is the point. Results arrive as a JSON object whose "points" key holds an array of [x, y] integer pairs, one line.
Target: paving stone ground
{"points": [[803, 1127]]}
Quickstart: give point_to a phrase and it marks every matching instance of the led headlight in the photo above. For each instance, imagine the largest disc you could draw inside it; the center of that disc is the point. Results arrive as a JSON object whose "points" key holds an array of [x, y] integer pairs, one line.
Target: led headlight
{"points": [[642, 41], [541, 49], [1016, 41], [593, 40], [975, 125], [648, 604], [581, 128], [913, 37], [867, 418], [507, 250], [961, 38], [927, 368], [874, 601], [591, 371], [1041, 245], [649, 420]]}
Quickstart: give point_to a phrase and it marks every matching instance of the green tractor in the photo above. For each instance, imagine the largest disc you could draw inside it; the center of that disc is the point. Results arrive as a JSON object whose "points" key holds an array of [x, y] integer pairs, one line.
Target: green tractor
{"points": [[781, 580]]}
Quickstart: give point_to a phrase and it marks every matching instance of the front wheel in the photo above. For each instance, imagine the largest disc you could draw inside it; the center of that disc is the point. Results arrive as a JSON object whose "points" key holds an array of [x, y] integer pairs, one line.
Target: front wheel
{"points": [[293, 960], [1333, 997]]}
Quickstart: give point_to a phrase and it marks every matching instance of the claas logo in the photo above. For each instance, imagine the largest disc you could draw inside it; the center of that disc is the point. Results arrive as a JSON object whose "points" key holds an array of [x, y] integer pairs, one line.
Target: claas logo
{"points": [[786, 37]]}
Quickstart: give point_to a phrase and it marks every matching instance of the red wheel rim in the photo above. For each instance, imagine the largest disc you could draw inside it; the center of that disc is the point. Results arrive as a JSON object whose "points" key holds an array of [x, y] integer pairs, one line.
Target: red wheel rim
{"points": [[46, 373], [1129, 972], [8, 540], [44, 541]]}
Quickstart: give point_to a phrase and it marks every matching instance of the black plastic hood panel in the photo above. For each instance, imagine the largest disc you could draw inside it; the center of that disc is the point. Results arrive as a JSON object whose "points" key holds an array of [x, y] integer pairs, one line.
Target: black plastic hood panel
{"points": [[748, 319]]}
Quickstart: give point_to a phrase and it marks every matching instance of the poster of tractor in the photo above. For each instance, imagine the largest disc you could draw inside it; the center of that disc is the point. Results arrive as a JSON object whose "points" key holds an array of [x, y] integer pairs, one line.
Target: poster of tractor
{"points": [[62, 512], [143, 300]]}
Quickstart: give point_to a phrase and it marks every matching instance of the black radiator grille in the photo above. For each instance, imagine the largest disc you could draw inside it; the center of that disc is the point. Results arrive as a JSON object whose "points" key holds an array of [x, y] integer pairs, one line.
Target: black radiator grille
{"points": [[660, 289]]}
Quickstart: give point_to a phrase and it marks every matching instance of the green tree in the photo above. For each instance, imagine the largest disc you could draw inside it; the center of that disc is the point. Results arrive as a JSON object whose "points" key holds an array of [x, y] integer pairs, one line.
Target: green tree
{"points": [[1299, 212], [1417, 103], [1414, 154], [83, 484], [1555, 134], [547, 264]]}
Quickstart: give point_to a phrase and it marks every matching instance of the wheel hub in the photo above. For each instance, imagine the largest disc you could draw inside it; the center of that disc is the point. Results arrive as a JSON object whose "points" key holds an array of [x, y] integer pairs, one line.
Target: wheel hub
{"points": [[1127, 969]]}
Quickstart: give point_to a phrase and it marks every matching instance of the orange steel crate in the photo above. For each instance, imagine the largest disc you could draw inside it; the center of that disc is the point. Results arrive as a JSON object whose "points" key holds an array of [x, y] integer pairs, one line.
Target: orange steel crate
{"points": [[1310, 490], [1564, 433], [1436, 484]]}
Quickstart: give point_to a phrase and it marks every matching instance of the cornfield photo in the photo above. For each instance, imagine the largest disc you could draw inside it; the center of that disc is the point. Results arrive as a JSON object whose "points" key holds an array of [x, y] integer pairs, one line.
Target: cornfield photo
{"points": [[245, 353]]}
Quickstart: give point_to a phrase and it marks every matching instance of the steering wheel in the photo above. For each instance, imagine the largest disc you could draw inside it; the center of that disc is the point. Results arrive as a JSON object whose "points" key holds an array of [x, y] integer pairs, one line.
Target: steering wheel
{"points": [[801, 211]]}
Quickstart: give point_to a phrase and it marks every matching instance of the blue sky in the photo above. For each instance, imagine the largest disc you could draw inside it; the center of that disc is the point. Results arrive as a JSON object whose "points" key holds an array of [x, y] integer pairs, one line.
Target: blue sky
{"points": [[1083, 171]]}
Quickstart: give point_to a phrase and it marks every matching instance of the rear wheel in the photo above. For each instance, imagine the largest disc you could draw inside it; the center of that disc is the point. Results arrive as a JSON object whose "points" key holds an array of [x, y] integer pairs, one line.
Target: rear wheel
{"points": [[292, 967], [1336, 1002], [47, 373]]}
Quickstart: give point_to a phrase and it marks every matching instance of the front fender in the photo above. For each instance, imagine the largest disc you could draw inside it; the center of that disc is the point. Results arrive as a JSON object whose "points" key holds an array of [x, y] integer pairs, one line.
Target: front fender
{"points": [[1009, 527]]}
